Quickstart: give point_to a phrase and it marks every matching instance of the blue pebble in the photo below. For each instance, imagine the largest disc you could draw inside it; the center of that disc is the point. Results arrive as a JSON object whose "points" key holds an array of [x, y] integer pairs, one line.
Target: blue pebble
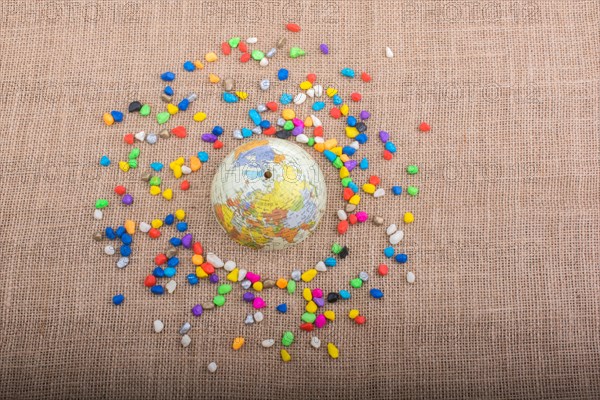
{"points": [[337, 100], [169, 90], [125, 250], [330, 262], [265, 124], [344, 294], [117, 115], [397, 190], [183, 104], [156, 166], [330, 155], [348, 150], [401, 258], [230, 97], [110, 233], [286, 98], [173, 262], [182, 226], [120, 231], [118, 299], [353, 186], [282, 308], [192, 279], [283, 74], [170, 272], [157, 289], [189, 66], [388, 252], [126, 238], [391, 147], [254, 116], [364, 163], [361, 138], [376, 293], [348, 72], [203, 156], [246, 132], [351, 121], [175, 241], [167, 76], [158, 272], [217, 130], [104, 161], [318, 106], [169, 219]]}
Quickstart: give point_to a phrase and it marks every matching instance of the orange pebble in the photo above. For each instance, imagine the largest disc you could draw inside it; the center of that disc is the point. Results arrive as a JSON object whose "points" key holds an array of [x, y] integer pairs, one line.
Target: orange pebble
{"points": [[365, 77], [293, 27], [320, 147], [374, 180], [311, 78], [197, 259], [281, 283], [108, 119], [195, 163], [271, 105], [238, 342], [342, 227], [226, 48]]}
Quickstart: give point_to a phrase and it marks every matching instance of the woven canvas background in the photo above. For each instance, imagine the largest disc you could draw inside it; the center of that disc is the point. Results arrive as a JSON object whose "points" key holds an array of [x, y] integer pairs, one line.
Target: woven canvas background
{"points": [[505, 247]]}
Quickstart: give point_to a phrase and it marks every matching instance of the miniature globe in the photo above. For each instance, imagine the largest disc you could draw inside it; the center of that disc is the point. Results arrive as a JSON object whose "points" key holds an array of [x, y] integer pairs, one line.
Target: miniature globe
{"points": [[268, 194]]}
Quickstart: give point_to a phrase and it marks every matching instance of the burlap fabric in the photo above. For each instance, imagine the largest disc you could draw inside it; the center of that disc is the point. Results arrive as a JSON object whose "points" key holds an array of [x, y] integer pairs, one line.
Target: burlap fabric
{"points": [[505, 245]]}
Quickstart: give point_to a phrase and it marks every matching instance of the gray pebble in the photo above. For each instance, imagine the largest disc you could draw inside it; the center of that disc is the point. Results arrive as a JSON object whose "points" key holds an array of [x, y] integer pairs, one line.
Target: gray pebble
{"points": [[192, 97], [98, 236], [166, 98], [261, 108], [123, 261], [212, 367], [151, 138], [268, 284], [164, 134], [281, 42], [237, 134], [257, 130], [363, 276], [242, 274], [146, 177], [350, 208], [280, 122], [209, 305], [265, 84], [378, 220], [249, 319], [271, 52], [172, 252], [185, 328], [246, 284], [228, 84], [296, 275]]}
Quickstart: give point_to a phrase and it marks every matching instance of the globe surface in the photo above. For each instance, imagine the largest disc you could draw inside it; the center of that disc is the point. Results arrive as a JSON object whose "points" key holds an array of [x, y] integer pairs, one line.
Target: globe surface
{"points": [[268, 194]]}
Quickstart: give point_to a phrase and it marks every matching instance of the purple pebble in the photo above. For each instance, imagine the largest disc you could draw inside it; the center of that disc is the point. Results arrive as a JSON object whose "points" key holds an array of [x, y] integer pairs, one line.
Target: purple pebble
{"points": [[214, 278], [324, 48], [364, 114], [297, 130], [186, 241], [384, 136], [209, 137], [351, 164], [319, 301], [248, 297], [197, 310], [127, 199]]}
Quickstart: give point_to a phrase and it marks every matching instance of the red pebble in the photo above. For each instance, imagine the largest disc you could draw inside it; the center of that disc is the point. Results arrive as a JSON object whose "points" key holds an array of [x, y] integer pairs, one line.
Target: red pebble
{"points": [[179, 131], [318, 131], [342, 227], [374, 180], [243, 48], [307, 326], [387, 155], [348, 193], [154, 233], [424, 127], [293, 27], [360, 320], [197, 248], [150, 281], [356, 97], [335, 113], [353, 219], [272, 106], [120, 190], [128, 138], [218, 144], [311, 78], [383, 269], [185, 185], [160, 259], [226, 48], [365, 77], [269, 131], [208, 268], [245, 57]]}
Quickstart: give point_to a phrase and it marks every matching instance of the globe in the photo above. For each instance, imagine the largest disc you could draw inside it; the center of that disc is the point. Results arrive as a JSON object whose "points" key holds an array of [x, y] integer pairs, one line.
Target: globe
{"points": [[268, 194]]}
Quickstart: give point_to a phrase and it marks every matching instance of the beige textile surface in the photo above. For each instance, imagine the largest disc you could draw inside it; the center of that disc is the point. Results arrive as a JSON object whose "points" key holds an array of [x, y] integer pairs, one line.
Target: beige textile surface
{"points": [[505, 247]]}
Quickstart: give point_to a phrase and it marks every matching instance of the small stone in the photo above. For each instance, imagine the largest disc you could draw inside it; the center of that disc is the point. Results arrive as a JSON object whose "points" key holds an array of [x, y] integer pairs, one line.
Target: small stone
{"points": [[172, 252], [229, 266], [271, 53], [268, 284], [258, 316], [228, 84], [268, 343], [122, 263], [281, 42], [158, 326], [164, 134], [363, 276], [209, 305], [249, 319], [396, 237], [251, 40], [296, 275], [166, 98], [185, 328], [389, 53], [151, 138], [212, 367], [264, 62], [214, 260], [265, 84], [109, 250], [315, 342], [379, 192], [410, 277], [321, 267], [246, 284], [391, 229], [378, 220], [171, 286], [145, 227], [350, 208], [97, 214], [342, 215], [135, 106], [186, 340]]}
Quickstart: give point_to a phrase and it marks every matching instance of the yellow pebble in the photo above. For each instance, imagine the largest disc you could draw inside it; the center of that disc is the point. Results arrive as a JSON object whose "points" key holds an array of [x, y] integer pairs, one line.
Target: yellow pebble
{"points": [[129, 226], [154, 190], [198, 64], [211, 57], [311, 307], [168, 194], [307, 294], [353, 314], [344, 158], [344, 109], [242, 95], [330, 315], [309, 275], [108, 119], [177, 172], [331, 92], [285, 356], [197, 259], [180, 214], [355, 200], [213, 78], [288, 114], [156, 223], [305, 85], [180, 161], [238, 342], [124, 165], [199, 116], [258, 286], [344, 173], [308, 122], [337, 150], [281, 283], [172, 109], [195, 163], [233, 275], [200, 273], [332, 350], [351, 132], [409, 218], [369, 188], [330, 143]]}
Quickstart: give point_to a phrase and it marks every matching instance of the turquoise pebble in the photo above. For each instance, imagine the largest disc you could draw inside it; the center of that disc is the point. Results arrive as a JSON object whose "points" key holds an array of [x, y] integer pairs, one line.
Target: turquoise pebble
{"points": [[397, 190], [348, 72], [170, 272], [388, 252], [286, 98], [230, 97], [337, 100], [344, 294], [391, 147], [353, 186], [203, 156], [364, 163], [254, 116], [330, 262], [246, 132], [330, 155], [156, 166], [104, 161], [189, 66], [318, 106]]}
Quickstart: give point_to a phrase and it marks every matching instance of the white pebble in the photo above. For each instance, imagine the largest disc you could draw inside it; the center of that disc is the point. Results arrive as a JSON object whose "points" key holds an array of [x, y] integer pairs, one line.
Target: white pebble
{"points": [[318, 90], [268, 343], [214, 260], [296, 275], [186, 340], [310, 92], [242, 274], [140, 136], [171, 286], [379, 192], [257, 130], [396, 237], [249, 319], [261, 108], [151, 138], [315, 342], [321, 267], [391, 229], [237, 134], [144, 227], [300, 98], [342, 215], [246, 284], [265, 84], [185, 328], [410, 277], [355, 145], [158, 326], [192, 97], [251, 40], [212, 367], [97, 213], [316, 121], [389, 53], [258, 316], [123, 261], [186, 170], [264, 62], [229, 266], [109, 250], [302, 138], [319, 139]]}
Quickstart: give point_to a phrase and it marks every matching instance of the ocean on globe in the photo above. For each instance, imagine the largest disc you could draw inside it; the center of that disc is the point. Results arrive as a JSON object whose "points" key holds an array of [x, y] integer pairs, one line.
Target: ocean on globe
{"points": [[268, 194]]}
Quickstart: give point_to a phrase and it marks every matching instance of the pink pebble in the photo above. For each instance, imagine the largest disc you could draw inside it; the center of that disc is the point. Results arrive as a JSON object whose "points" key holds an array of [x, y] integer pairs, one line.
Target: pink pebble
{"points": [[318, 293], [259, 303], [252, 277], [320, 321], [361, 216], [298, 122]]}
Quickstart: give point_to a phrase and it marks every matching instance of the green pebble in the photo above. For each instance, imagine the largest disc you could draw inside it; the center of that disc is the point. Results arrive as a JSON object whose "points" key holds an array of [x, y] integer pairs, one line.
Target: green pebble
{"points": [[336, 248], [296, 52], [412, 190], [288, 126], [224, 289], [219, 300], [311, 142], [145, 110], [134, 153], [155, 181], [162, 117], [101, 203], [338, 163], [258, 55], [346, 181], [356, 283], [132, 163], [234, 41], [412, 169], [291, 286], [309, 317], [287, 339]]}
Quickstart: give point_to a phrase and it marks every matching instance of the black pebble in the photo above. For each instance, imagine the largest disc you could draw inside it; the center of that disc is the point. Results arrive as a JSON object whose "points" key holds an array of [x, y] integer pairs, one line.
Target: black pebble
{"points": [[135, 106], [333, 297], [344, 252], [283, 134], [361, 127]]}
